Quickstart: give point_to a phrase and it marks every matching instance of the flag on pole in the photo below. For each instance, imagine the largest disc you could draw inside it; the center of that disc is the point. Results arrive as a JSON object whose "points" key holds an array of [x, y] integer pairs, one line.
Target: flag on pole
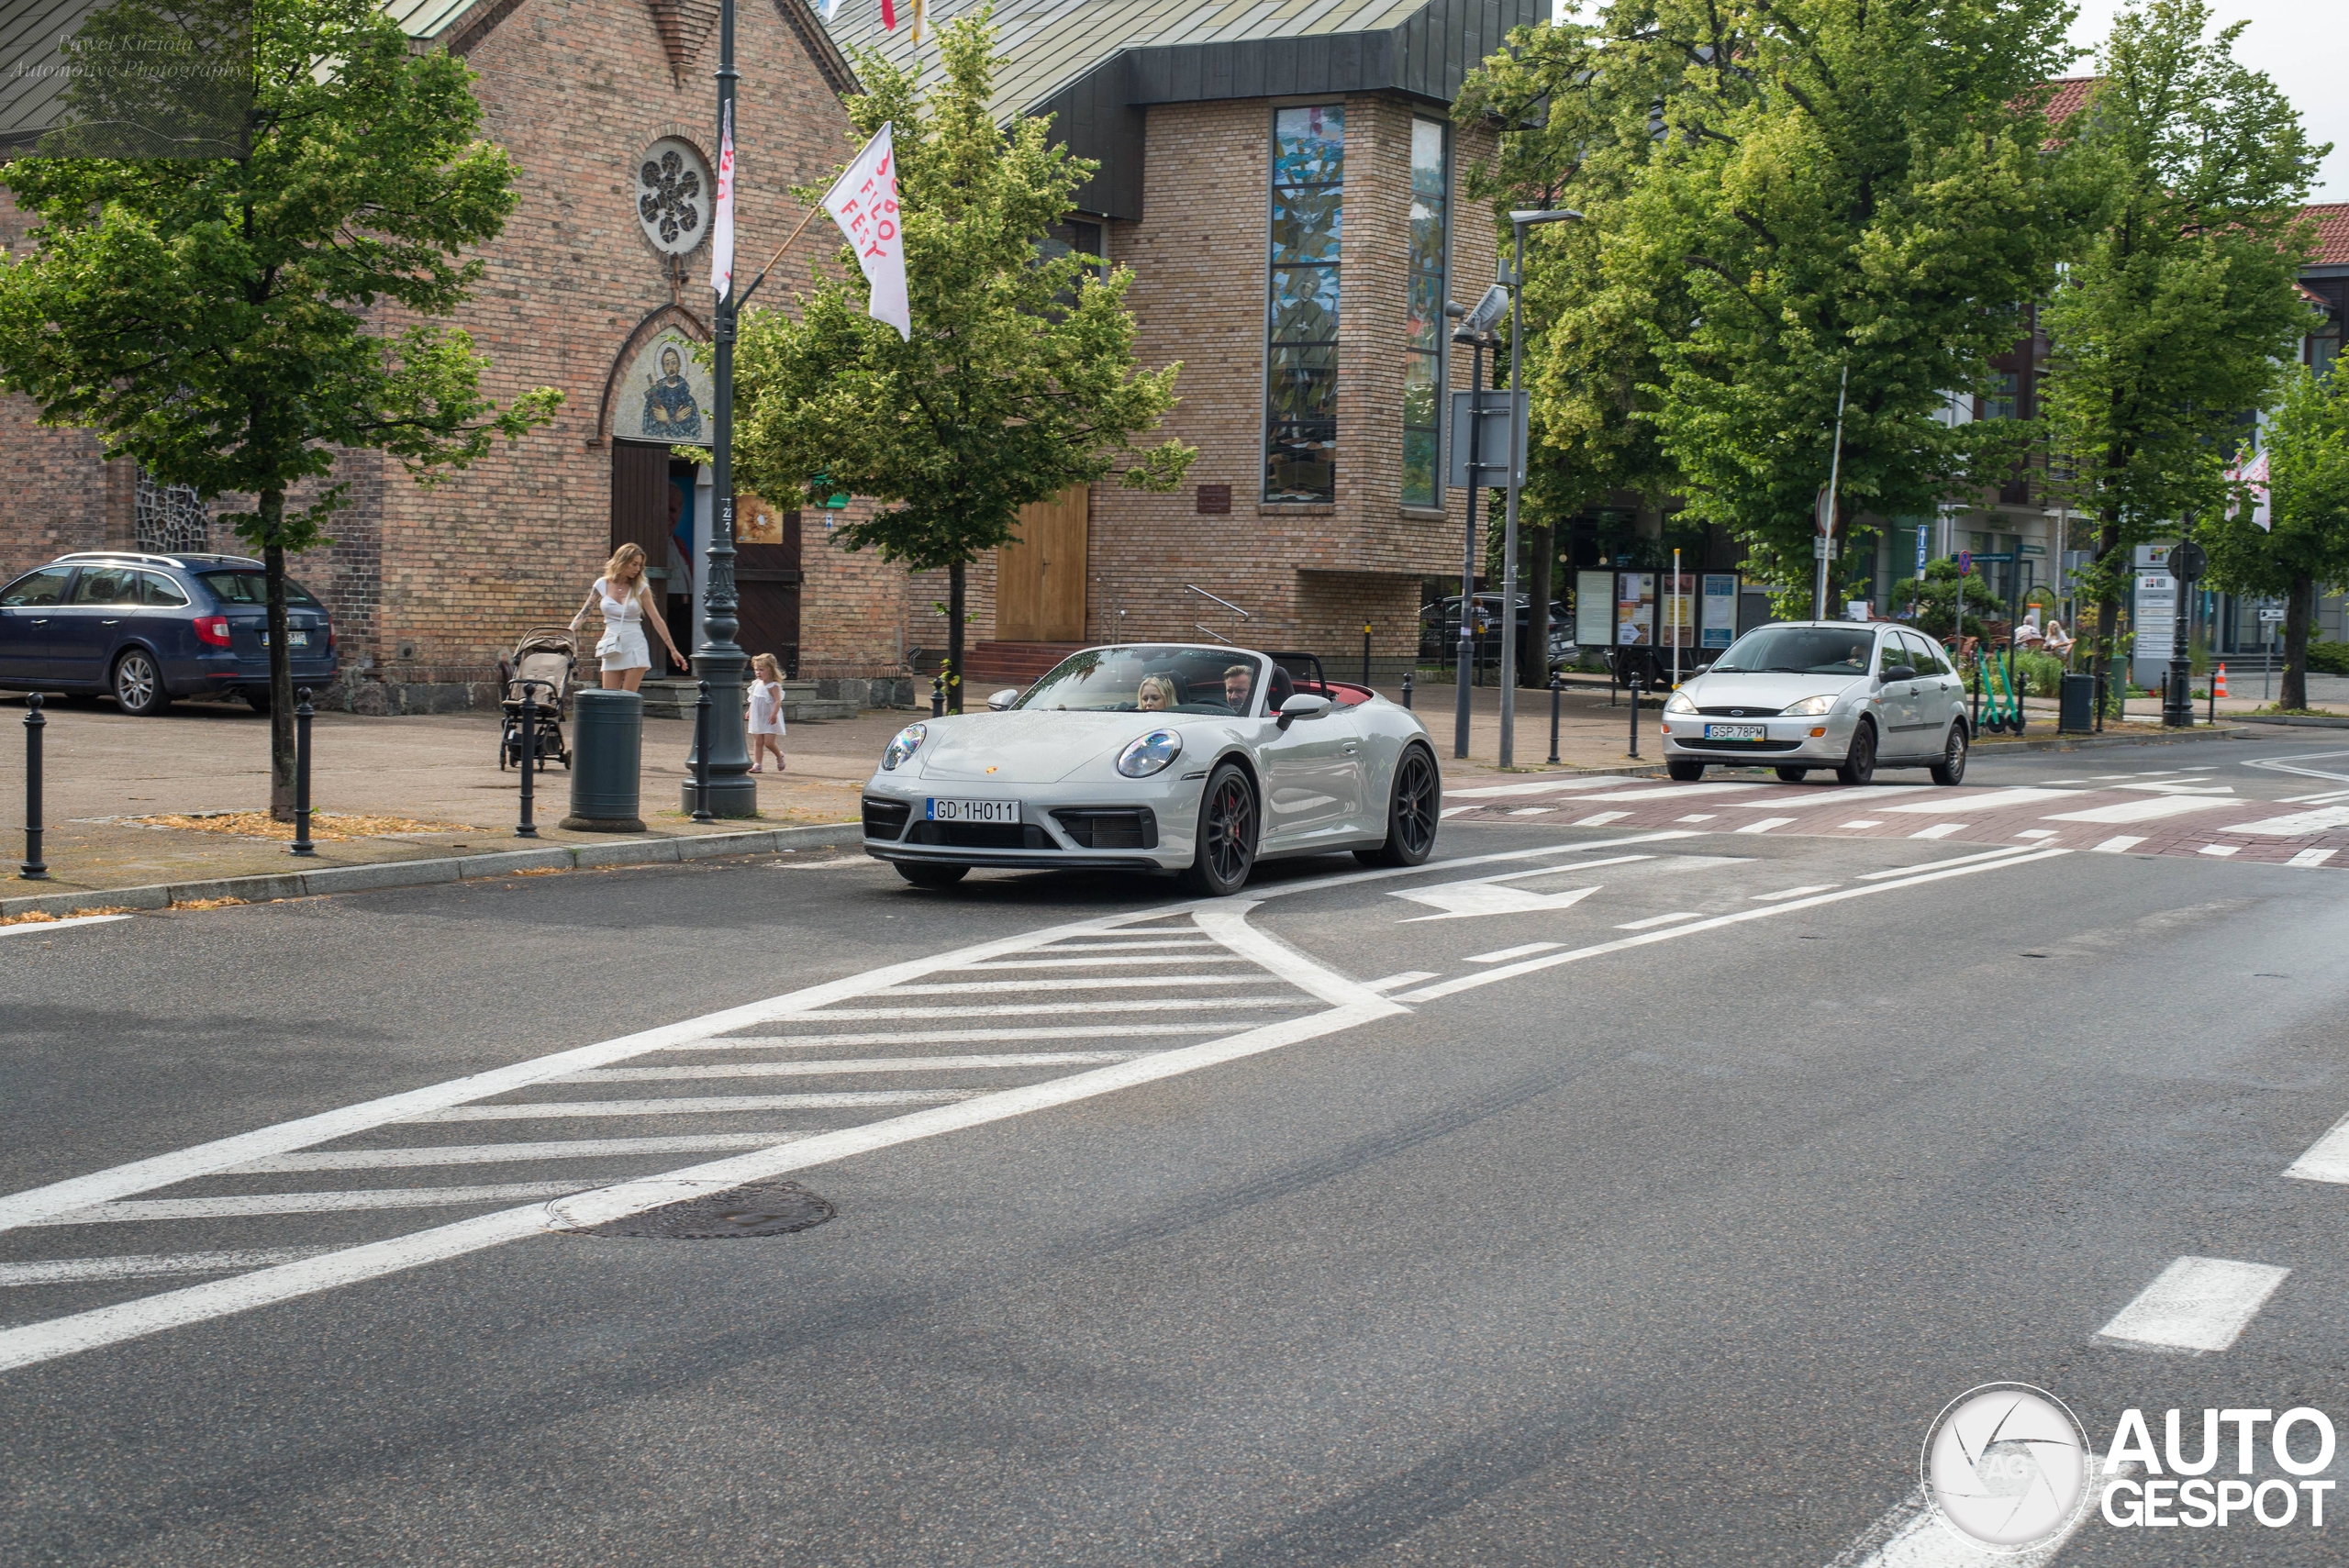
{"points": [[889, 16], [721, 232], [2253, 475], [832, 9], [864, 202], [918, 6]]}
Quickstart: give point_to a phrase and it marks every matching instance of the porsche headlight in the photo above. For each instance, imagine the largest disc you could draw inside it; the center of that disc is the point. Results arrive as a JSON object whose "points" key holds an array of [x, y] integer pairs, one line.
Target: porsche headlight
{"points": [[1680, 704], [904, 744], [1149, 753], [1811, 708]]}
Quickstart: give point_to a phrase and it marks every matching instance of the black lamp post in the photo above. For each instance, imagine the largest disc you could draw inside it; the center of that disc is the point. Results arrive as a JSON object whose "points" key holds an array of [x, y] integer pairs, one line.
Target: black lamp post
{"points": [[1475, 330], [2188, 561], [720, 660]]}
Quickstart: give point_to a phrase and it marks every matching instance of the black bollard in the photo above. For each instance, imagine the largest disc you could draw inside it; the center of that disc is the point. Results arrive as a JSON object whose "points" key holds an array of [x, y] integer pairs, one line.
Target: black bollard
{"points": [[1635, 716], [34, 868], [702, 813], [525, 827], [302, 715], [938, 696], [1557, 685], [1406, 691], [1365, 653]]}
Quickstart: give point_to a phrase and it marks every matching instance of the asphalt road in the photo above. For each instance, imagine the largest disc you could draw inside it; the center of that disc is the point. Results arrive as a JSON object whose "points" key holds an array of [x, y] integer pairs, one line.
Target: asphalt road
{"points": [[1634, 1192]]}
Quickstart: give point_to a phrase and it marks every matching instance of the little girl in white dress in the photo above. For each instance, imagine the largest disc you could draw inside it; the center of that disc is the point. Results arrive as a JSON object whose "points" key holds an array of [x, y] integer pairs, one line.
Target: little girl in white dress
{"points": [[766, 726]]}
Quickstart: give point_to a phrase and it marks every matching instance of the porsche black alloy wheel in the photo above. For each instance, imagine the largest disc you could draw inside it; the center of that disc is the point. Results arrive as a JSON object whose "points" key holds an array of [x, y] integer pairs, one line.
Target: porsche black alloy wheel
{"points": [[1859, 764], [1226, 839], [1412, 811], [922, 874]]}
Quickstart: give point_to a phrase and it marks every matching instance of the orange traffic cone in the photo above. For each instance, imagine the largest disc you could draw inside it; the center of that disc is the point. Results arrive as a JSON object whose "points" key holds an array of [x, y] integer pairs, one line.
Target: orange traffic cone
{"points": [[2221, 689]]}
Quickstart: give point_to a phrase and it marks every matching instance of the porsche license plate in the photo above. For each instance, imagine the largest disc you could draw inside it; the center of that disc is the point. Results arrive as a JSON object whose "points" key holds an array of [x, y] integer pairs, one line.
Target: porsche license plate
{"points": [[974, 811], [293, 639], [1736, 732]]}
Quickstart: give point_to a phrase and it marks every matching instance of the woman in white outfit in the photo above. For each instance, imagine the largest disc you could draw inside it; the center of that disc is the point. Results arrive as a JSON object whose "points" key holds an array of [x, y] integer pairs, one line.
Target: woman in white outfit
{"points": [[628, 609]]}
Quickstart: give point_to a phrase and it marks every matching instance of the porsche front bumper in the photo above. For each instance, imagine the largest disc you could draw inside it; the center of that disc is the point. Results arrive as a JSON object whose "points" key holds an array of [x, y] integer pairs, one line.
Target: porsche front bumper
{"points": [[1070, 827]]}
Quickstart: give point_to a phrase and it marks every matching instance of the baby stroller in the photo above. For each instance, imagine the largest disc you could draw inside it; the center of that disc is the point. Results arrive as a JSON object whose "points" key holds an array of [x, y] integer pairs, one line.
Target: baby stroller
{"points": [[541, 664]]}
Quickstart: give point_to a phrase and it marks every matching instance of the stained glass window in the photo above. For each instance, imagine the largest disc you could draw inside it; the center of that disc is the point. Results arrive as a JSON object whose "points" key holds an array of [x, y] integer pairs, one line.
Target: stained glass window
{"points": [[1423, 338], [171, 517], [1301, 317]]}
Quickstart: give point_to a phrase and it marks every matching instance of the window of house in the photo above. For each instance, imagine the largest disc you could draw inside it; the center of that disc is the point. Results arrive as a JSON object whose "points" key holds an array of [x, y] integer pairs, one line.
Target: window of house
{"points": [[1423, 340], [2004, 401], [1078, 235], [1301, 354], [171, 517]]}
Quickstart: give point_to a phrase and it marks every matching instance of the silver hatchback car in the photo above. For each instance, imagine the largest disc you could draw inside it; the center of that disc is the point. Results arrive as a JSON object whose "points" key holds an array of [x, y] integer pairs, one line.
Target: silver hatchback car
{"points": [[1804, 695]]}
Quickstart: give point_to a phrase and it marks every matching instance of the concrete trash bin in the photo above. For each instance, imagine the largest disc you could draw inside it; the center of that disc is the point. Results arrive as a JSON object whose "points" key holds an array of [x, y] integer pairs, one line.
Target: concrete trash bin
{"points": [[607, 751], [2076, 711]]}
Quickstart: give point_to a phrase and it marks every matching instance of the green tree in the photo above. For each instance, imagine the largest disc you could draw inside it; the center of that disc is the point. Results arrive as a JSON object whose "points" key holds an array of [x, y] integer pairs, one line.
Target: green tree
{"points": [[233, 323], [1936, 595], [1776, 190], [2166, 329], [2307, 542], [1018, 380]]}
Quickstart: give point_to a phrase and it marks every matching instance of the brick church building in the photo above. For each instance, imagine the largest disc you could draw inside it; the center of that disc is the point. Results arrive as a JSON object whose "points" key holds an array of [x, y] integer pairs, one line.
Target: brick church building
{"points": [[1284, 181]]}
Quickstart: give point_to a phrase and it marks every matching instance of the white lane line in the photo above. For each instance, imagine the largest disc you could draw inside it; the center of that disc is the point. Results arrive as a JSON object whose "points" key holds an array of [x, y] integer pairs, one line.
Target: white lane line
{"points": [[705, 1105], [1153, 959], [1700, 817], [2183, 787], [2197, 1304], [1449, 812], [2331, 818], [2220, 850], [1548, 786], [2002, 852], [1939, 830], [34, 1343], [1518, 952], [31, 926], [1622, 944], [1766, 825], [1148, 1005], [506, 1153], [1989, 800], [1099, 982], [1533, 811], [1227, 923], [967, 1036], [1910, 1536], [2311, 857], [1473, 900], [1675, 792], [1397, 982], [2327, 1159], [133, 1209], [1128, 944], [2120, 844], [151, 1265], [1653, 921], [2152, 810], [1863, 822], [2039, 833], [1790, 892], [1600, 818], [867, 1064]]}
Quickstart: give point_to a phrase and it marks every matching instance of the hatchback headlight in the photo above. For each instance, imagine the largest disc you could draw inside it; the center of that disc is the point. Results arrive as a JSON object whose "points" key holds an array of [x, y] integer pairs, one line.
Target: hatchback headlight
{"points": [[1811, 708], [1149, 753], [904, 744], [1680, 704]]}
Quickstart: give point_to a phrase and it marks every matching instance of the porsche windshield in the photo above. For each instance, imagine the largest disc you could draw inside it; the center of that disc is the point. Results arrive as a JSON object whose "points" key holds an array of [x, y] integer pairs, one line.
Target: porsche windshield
{"points": [[1800, 651], [1142, 678]]}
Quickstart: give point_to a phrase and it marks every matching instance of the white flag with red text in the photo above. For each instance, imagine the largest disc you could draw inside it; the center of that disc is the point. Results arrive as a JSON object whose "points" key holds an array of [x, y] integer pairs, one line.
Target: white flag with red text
{"points": [[864, 202], [721, 228]]}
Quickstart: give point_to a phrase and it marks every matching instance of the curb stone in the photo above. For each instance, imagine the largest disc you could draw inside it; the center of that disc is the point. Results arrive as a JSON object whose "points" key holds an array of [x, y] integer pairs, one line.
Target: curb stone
{"points": [[425, 873]]}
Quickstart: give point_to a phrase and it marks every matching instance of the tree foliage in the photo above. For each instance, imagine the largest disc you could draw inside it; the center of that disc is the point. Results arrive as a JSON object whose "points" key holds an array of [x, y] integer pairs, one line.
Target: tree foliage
{"points": [[233, 323], [2175, 311], [2307, 543], [1935, 595], [1018, 380], [1776, 189]]}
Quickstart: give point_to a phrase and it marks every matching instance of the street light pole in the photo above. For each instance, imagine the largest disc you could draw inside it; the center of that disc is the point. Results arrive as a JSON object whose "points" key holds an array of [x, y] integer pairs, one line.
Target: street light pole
{"points": [[720, 660], [1518, 223]]}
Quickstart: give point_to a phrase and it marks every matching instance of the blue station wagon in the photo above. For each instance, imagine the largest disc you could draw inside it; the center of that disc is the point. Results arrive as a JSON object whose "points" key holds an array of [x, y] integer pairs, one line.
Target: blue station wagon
{"points": [[146, 628]]}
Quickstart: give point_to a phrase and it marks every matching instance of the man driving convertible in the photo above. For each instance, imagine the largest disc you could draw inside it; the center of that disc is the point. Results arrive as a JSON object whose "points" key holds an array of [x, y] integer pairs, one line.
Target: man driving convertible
{"points": [[1238, 684]]}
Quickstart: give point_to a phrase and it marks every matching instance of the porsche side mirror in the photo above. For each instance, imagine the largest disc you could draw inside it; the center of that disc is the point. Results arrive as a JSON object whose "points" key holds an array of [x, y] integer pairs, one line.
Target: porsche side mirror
{"points": [[1003, 699], [1303, 706]]}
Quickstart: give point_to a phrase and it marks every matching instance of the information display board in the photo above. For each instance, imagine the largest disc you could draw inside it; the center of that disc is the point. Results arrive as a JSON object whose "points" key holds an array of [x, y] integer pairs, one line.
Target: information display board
{"points": [[1635, 609], [1717, 627], [1676, 611], [1594, 608]]}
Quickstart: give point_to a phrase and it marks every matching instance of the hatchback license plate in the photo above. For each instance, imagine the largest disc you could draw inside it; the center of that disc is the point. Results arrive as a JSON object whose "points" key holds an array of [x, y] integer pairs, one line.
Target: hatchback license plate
{"points": [[1005, 811], [1736, 732], [293, 639]]}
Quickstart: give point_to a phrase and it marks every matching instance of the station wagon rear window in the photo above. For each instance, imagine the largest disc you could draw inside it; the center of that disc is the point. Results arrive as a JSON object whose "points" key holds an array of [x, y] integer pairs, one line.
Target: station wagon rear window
{"points": [[252, 588]]}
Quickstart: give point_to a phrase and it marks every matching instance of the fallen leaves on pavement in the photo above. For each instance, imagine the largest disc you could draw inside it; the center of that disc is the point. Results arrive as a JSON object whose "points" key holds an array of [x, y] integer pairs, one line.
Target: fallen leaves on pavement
{"points": [[324, 825]]}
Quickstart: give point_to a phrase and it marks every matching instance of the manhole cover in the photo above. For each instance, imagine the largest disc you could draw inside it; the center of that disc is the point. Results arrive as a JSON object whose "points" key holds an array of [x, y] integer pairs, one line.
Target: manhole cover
{"points": [[770, 1209]]}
